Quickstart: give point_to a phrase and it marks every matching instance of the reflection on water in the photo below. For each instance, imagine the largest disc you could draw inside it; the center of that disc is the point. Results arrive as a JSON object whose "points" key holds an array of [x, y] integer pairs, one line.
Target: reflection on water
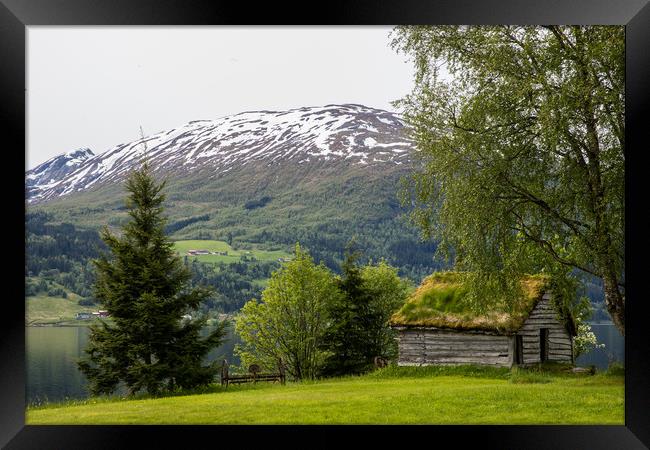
{"points": [[52, 354]]}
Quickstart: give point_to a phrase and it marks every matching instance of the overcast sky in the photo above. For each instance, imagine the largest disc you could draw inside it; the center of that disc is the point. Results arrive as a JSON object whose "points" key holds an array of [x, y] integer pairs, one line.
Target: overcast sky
{"points": [[95, 86]]}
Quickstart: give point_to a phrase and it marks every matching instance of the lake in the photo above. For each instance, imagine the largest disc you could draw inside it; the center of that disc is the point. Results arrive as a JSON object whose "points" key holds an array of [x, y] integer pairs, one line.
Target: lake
{"points": [[614, 350], [52, 352]]}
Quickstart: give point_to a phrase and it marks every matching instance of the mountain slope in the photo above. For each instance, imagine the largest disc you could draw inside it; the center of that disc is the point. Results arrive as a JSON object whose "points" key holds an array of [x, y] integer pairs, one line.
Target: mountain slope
{"points": [[318, 176], [331, 135], [52, 171]]}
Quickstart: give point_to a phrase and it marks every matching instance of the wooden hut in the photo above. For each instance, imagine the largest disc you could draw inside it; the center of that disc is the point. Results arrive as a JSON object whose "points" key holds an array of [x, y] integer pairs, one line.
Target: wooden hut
{"points": [[435, 326]]}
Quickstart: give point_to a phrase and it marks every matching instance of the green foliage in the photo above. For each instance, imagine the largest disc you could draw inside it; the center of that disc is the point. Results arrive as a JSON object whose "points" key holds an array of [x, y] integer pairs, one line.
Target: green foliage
{"points": [[387, 293], [358, 328], [522, 151], [233, 283], [585, 340], [252, 204], [289, 322], [182, 223], [616, 369], [142, 284]]}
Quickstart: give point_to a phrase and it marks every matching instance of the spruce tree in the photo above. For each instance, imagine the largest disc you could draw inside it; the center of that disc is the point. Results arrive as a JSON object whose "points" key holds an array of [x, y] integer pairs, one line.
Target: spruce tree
{"points": [[149, 346], [349, 339]]}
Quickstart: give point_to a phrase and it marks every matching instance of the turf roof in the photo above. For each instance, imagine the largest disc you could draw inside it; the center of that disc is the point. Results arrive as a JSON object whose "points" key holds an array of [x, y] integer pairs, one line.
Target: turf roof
{"points": [[439, 302]]}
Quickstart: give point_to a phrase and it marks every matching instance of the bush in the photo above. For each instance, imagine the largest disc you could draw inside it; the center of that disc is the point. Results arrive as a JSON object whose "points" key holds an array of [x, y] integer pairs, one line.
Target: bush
{"points": [[616, 368], [57, 292], [252, 204], [88, 301]]}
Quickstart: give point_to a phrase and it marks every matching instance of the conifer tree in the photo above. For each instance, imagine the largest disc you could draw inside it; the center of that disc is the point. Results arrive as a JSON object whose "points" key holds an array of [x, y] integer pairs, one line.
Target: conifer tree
{"points": [[151, 345], [358, 328], [348, 339]]}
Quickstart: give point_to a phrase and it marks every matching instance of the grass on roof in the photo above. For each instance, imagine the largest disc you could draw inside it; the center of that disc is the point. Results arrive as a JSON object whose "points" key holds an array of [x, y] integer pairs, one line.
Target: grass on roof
{"points": [[441, 301]]}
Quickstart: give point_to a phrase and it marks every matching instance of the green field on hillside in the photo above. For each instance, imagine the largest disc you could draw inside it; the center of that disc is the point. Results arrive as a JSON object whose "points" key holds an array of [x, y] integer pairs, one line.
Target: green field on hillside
{"points": [[233, 255], [42, 309], [388, 396]]}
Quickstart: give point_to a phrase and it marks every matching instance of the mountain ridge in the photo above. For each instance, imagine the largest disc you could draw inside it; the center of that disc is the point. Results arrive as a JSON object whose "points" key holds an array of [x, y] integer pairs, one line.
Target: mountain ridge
{"points": [[332, 134]]}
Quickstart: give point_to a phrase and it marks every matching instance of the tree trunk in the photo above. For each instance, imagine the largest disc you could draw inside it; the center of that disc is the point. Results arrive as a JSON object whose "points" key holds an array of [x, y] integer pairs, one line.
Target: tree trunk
{"points": [[614, 300]]}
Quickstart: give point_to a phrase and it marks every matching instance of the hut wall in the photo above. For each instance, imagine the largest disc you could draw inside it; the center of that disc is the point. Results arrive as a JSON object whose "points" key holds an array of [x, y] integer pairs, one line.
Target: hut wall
{"points": [[429, 346], [560, 344]]}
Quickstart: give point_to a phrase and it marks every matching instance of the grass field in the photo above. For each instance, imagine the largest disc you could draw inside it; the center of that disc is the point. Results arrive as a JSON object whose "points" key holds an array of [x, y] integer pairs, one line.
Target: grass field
{"points": [[233, 255], [44, 309], [389, 396]]}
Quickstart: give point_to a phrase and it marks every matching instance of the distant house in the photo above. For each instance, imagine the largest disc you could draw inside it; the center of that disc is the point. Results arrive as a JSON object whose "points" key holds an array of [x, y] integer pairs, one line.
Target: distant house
{"points": [[83, 316], [198, 252], [435, 327]]}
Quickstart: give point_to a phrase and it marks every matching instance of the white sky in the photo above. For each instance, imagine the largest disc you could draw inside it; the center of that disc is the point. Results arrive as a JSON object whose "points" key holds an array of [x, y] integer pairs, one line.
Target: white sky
{"points": [[95, 86]]}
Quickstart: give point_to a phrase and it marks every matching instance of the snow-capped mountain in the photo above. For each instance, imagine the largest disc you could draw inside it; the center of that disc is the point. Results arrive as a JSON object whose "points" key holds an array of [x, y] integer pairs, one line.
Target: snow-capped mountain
{"points": [[54, 170], [331, 135]]}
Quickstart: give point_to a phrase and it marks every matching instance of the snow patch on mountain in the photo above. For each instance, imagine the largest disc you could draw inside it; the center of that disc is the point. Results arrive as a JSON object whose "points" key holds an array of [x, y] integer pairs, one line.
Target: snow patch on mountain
{"points": [[350, 133]]}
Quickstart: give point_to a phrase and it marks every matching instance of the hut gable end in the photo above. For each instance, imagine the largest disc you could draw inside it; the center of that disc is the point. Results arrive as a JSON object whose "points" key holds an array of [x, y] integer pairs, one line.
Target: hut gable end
{"points": [[544, 336]]}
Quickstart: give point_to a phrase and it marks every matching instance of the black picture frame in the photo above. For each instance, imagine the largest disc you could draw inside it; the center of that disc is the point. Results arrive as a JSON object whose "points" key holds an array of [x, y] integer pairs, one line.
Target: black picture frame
{"points": [[16, 15]]}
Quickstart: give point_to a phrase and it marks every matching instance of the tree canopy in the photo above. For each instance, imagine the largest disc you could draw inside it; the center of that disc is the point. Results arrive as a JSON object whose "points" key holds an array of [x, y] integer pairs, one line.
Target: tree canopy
{"points": [[358, 328], [149, 344], [520, 136], [289, 322]]}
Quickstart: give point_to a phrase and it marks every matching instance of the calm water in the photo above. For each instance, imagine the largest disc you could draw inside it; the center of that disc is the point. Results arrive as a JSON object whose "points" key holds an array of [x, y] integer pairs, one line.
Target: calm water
{"points": [[614, 349], [52, 352], [51, 356]]}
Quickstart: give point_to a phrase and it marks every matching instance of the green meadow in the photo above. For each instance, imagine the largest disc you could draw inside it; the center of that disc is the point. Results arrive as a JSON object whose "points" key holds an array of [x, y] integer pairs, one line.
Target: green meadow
{"points": [[41, 309], [394, 395], [232, 256]]}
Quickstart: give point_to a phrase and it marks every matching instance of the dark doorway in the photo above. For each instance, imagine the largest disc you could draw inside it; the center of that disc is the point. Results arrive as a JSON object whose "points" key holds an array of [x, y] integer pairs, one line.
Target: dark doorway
{"points": [[519, 350], [543, 344]]}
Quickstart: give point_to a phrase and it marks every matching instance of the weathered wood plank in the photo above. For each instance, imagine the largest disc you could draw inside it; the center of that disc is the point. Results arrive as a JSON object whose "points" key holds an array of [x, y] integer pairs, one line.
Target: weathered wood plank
{"points": [[465, 336], [562, 333], [462, 341], [561, 348], [460, 354], [542, 315], [457, 360], [533, 330], [467, 350], [557, 344], [461, 344], [540, 322], [560, 352], [470, 337]]}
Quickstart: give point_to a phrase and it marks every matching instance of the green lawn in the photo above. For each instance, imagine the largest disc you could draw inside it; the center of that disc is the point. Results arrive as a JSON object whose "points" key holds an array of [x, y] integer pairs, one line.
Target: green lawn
{"points": [[409, 398], [233, 255]]}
